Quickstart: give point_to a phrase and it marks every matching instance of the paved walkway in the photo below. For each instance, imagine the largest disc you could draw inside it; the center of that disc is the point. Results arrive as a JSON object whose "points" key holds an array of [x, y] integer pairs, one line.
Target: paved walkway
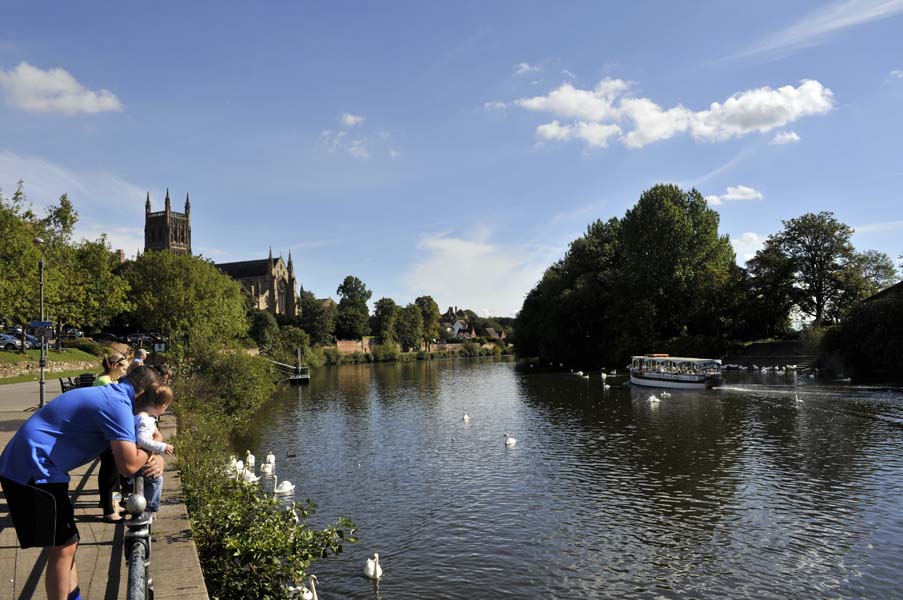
{"points": [[102, 570]]}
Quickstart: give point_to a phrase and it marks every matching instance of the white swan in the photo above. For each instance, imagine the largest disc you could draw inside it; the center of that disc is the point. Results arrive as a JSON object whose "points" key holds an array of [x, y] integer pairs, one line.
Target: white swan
{"points": [[585, 377], [579, 373], [604, 376], [510, 441], [605, 386], [666, 395], [466, 417], [271, 458], [249, 461], [653, 398], [372, 570]]}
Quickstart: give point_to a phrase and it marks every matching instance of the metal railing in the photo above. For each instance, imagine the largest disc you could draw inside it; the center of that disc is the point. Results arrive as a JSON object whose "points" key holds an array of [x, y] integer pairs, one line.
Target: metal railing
{"points": [[138, 544]]}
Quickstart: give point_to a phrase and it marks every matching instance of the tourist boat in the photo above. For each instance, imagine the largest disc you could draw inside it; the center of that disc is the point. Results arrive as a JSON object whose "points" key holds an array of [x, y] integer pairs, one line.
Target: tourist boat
{"points": [[663, 371]]}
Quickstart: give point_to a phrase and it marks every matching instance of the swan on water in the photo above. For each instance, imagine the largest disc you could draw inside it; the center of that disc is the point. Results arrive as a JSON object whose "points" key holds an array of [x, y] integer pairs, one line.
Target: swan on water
{"points": [[271, 458], [653, 398], [579, 373], [249, 461], [666, 395], [510, 441], [605, 386], [466, 417], [604, 376], [372, 570]]}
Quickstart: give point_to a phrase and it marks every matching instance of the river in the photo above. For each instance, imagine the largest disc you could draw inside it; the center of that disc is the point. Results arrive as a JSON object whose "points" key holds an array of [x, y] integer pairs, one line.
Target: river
{"points": [[773, 486]]}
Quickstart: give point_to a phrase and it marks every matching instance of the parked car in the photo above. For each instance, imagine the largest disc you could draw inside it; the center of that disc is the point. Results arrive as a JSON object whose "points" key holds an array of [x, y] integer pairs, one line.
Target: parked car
{"points": [[138, 339], [106, 337], [14, 330], [69, 331], [8, 342], [33, 342]]}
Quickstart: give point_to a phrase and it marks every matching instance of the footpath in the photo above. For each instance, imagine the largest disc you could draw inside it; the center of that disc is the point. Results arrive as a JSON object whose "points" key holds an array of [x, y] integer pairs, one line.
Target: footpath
{"points": [[102, 570]]}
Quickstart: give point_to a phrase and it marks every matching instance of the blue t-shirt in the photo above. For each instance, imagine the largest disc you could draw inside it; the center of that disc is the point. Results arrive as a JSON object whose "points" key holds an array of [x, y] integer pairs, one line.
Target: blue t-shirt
{"points": [[68, 432]]}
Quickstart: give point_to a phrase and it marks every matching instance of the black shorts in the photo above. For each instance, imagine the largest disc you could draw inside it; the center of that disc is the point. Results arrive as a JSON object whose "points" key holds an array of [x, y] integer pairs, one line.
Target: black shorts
{"points": [[42, 513]]}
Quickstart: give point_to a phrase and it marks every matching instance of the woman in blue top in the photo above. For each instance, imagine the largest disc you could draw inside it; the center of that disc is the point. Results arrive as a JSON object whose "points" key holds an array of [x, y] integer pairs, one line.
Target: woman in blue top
{"points": [[60, 436]]}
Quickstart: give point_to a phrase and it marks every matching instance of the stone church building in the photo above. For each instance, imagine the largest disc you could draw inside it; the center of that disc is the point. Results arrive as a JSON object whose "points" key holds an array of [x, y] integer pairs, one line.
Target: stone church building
{"points": [[167, 230], [270, 283]]}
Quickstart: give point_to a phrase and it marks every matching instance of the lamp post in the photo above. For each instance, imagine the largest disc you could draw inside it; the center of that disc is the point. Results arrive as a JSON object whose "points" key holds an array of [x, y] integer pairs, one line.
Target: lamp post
{"points": [[43, 363]]}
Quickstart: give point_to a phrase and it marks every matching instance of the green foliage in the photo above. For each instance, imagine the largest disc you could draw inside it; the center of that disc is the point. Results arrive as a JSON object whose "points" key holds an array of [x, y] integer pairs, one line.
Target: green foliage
{"points": [[231, 384], [384, 320], [409, 327], [318, 318], [247, 546], [187, 299], [263, 328], [288, 342], [352, 322], [385, 352], [869, 344], [429, 310], [627, 285], [86, 345], [19, 283]]}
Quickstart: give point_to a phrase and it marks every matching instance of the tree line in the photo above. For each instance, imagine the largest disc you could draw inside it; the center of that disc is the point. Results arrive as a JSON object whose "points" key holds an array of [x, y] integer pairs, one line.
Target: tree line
{"points": [[662, 278]]}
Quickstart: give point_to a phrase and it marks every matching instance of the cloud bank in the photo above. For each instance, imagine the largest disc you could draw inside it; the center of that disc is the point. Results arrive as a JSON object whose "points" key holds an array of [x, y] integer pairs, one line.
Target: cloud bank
{"points": [[53, 91], [610, 111]]}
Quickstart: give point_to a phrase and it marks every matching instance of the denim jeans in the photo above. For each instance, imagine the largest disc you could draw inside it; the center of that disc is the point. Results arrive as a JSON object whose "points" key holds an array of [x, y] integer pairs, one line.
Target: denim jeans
{"points": [[153, 486]]}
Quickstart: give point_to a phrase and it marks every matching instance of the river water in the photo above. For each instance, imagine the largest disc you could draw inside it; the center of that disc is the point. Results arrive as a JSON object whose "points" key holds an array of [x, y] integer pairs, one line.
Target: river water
{"points": [[772, 486]]}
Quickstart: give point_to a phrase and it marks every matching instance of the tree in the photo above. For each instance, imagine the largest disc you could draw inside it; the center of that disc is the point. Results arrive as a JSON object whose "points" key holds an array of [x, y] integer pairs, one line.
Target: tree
{"points": [[818, 246], [353, 317], [318, 318], [383, 321], [288, 341], [187, 299], [263, 328], [771, 289], [409, 327], [429, 310], [19, 283]]}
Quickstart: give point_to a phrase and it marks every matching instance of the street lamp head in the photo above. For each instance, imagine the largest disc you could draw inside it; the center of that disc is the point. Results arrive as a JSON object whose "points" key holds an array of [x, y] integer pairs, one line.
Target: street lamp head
{"points": [[38, 241]]}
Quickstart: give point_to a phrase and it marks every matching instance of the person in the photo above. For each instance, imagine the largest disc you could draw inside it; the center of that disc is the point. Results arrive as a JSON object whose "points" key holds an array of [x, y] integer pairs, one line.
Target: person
{"points": [[165, 372], [138, 361], [150, 407], [58, 437], [114, 367]]}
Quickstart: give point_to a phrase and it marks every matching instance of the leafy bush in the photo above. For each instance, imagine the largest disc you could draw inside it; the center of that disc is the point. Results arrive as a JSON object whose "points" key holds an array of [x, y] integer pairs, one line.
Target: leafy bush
{"points": [[232, 384], [86, 345], [248, 547], [385, 352]]}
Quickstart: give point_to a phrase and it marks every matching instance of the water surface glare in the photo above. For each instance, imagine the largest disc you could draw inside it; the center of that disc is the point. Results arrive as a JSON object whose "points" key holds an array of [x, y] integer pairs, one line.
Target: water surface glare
{"points": [[770, 487]]}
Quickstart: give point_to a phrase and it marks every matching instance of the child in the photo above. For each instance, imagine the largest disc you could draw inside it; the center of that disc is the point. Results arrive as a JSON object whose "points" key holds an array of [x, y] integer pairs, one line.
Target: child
{"points": [[150, 405]]}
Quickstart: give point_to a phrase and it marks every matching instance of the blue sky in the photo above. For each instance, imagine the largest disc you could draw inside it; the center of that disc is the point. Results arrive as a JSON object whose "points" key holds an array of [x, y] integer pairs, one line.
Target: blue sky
{"points": [[451, 149]]}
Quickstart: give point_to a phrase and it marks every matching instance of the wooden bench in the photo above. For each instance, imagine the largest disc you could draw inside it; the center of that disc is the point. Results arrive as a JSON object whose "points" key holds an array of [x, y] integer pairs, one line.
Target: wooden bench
{"points": [[83, 380]]}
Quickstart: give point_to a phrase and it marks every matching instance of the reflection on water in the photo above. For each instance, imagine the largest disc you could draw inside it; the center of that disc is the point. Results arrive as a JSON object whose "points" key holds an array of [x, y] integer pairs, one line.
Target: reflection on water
{"points": [[770, 487]]}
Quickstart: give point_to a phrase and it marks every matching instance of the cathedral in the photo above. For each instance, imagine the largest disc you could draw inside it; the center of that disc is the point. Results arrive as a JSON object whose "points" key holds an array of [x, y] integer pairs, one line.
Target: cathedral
{"points": [[167, 230], [270, 283]]}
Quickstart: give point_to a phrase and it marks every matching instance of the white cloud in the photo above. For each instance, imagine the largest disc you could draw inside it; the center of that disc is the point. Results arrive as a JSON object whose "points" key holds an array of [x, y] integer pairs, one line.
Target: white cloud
{"points": [[93, 193], [746, 246], [734, 192], [897, 73], [487, 278], [350, 120], [874, 227], [610, 104], [568, 74], [816, 27], [55, 90], [358, 148], [494, 105], [526, 68], [784, 137]]}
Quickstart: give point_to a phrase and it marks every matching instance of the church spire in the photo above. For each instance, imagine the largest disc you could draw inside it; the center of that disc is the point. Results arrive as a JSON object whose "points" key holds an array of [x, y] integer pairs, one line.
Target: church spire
{"points": [[168, 201], [290, 269], [187, 205], [270, 260], [147, 204]]}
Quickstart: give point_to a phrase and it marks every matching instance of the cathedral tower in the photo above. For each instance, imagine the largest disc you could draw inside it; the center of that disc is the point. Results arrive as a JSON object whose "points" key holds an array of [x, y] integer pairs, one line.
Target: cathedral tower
{"points": [[167, 230]]}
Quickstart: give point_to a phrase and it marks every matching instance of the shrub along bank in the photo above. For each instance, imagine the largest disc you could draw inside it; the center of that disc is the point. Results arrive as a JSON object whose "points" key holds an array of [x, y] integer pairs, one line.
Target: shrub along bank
{"points": [[247, 546]]}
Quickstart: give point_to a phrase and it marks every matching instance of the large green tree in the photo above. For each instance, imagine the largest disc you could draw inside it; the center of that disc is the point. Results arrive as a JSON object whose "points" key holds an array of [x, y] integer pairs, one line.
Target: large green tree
{"points": [[819, 248], [382, 323], [409, 327], [429, 310], [187, 299], [318, 318], [353, 318], [19, 283], [771, 293]]}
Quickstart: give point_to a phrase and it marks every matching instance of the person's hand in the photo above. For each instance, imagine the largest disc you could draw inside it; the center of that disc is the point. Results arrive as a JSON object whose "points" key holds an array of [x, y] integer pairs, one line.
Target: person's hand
{"points": [[170, 450], [154, 466]]}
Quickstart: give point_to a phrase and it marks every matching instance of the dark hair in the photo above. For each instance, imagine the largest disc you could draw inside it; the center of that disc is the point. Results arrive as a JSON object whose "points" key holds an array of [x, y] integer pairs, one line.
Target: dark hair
{"points": [[164, 371], [142, 378]]}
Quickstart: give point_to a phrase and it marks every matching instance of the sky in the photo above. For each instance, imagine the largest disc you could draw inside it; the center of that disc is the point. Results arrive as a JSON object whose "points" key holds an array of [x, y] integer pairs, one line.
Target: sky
{"points": [[450, 149]]}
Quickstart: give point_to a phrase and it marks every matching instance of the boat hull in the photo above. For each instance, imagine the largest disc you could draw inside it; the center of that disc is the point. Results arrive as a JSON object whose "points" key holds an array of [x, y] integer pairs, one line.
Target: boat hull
{"points": [[680, 384]]}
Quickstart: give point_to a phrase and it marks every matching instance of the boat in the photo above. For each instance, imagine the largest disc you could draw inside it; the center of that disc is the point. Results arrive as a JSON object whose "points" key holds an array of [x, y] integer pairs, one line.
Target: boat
{"points": [[664, 371]]}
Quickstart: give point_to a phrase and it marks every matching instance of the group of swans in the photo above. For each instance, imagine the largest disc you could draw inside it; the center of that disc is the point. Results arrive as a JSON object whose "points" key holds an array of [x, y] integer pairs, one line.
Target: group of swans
{"points": [[372, 570]]}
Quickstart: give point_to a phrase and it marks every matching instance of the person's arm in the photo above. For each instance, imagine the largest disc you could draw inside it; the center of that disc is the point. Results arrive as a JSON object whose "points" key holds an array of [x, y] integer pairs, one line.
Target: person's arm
{"points": [[129, 458]]}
